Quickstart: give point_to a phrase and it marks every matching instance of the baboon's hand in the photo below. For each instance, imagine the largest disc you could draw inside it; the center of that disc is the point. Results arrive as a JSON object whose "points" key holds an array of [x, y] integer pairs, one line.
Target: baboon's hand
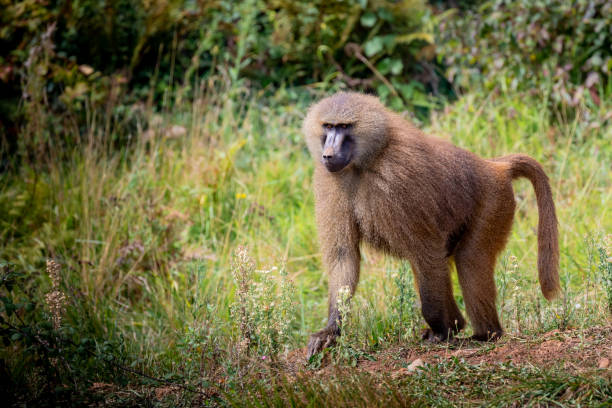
{"points": [[320, 340]]}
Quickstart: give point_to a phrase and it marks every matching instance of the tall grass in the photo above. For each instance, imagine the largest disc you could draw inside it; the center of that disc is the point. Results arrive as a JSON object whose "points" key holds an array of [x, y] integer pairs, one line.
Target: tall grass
{"points": [[145, 234]]}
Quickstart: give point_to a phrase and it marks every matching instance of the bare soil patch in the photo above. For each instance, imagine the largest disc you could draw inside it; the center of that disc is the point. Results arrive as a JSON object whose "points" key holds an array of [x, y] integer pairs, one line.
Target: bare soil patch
{"points": [[576, 350]]}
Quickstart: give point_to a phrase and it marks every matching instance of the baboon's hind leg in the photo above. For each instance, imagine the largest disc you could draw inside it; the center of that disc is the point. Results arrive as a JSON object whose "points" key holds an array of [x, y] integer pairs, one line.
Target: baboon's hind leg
{"points": [[475, 259], [475, 272]]}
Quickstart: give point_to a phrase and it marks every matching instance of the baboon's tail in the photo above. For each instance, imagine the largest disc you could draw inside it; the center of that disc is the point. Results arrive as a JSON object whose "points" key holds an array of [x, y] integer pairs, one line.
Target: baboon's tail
{"points": [[548, 242]]}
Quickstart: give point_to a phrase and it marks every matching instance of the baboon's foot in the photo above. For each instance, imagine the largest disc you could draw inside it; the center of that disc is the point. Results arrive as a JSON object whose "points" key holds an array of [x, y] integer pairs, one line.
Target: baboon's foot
{"points": [[433, 337], [492, 335], [447, 335], [321, 340]]}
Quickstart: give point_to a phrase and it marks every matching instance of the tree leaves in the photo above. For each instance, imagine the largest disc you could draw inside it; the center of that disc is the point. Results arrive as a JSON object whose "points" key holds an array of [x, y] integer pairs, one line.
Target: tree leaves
{"points": [[368, 19]]}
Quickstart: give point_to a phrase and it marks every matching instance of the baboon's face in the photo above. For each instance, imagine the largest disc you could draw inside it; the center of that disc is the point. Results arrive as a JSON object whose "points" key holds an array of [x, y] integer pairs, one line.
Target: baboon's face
{"points": [[346, 131], [338, 146]]}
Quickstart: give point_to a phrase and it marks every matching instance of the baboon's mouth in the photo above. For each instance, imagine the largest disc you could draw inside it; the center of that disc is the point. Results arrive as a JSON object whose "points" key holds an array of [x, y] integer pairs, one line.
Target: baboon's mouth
{"points": [[335, 165]]}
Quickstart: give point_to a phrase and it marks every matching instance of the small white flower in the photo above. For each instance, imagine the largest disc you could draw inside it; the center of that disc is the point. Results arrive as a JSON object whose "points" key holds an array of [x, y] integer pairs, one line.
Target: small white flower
{"points": [[578, 305]]}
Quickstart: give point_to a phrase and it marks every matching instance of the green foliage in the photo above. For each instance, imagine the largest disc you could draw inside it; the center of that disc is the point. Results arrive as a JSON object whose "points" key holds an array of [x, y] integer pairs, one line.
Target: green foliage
{"points": [[378, 45], [264, 310], [114, 62], [554, 47], [345, 351], [405, 307], [604, 267], [56, 359], [100, 61]]}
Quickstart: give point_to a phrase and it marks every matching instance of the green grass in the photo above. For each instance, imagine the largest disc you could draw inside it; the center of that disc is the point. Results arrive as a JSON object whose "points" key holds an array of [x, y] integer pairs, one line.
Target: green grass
{"points": [[145, 238], [448, 384]]}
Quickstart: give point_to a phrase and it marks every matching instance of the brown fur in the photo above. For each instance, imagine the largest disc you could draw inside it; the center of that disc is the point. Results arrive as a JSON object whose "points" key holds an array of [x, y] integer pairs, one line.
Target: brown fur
{"points": [[425, 200]]}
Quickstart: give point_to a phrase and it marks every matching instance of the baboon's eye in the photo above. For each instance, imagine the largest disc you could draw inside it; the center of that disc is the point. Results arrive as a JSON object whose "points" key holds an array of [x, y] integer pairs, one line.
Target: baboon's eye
{"points": [[343, 126], [328, 125]]}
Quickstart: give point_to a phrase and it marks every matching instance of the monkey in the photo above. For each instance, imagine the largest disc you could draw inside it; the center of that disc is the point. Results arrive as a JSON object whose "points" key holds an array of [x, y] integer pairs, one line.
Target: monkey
{"points": [[380, 180]]}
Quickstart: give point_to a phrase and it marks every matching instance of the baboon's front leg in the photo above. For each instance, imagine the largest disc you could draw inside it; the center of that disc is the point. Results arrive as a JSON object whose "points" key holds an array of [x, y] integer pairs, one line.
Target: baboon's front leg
{"points": [[339, 242], [343, 272]]}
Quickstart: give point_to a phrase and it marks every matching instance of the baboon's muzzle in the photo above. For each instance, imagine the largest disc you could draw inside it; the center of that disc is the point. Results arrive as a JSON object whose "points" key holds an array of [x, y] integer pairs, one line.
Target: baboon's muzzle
{"points": [[337, 149]]}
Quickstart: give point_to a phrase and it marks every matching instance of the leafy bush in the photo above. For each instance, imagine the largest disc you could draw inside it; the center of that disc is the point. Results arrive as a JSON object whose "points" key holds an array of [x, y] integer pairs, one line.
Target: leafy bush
{"points": [[555, 46], [380, 45], [83, 57]]}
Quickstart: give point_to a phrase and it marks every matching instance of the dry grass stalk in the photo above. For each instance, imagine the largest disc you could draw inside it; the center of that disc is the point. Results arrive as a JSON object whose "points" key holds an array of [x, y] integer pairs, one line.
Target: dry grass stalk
{"points": [[55, 299]]}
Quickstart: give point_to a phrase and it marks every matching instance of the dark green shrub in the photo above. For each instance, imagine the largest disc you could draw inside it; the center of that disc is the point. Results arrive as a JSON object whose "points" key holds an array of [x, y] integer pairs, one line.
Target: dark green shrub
{"points": [[557, 46], [379, 45], [93, 55]]}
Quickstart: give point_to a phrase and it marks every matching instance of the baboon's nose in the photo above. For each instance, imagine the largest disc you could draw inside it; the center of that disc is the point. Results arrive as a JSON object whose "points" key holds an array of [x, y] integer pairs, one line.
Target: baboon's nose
{"points": [[328, 153]]}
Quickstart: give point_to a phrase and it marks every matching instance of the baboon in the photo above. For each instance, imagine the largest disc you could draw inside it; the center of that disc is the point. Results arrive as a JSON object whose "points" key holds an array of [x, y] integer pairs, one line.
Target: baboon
{"points": [[380, 180]]}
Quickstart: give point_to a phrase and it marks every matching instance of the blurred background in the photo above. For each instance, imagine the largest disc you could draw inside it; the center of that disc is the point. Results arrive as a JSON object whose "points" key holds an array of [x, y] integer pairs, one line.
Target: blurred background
{"points": [[76, 56]]}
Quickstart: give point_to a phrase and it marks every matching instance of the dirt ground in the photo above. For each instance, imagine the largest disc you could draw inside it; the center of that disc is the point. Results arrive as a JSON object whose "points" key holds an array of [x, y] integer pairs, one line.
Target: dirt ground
{"points": [[573, 350]]}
